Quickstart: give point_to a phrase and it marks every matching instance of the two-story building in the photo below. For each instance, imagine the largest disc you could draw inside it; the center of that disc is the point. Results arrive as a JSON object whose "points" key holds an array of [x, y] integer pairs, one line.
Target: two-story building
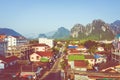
{"points": [[46, 41], [14, 41], [40, 47]]}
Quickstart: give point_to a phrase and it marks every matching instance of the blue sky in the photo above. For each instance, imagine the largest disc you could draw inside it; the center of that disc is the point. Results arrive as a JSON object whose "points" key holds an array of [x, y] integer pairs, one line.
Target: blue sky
{"points": [[41, 16]]}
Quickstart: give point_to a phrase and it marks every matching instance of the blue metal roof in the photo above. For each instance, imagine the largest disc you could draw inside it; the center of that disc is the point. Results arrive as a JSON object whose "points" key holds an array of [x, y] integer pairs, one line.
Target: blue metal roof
{"points": [[73, 47], [96, 56]]}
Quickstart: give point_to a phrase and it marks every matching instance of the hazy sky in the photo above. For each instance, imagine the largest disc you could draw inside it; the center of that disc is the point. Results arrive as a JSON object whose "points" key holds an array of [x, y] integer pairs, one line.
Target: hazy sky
{"points": [[41, 16]]}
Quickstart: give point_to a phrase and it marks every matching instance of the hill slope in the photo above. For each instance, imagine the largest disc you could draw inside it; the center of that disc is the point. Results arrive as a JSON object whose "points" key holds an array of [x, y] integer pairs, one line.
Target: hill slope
{"points": [[61, 33], [8, 31], [116, 26]]}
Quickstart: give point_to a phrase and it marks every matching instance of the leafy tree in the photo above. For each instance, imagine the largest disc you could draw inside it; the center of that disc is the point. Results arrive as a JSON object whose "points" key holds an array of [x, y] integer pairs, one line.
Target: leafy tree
{"points": [[63, 64], [34, 41], [88, 44], [92, 49]]}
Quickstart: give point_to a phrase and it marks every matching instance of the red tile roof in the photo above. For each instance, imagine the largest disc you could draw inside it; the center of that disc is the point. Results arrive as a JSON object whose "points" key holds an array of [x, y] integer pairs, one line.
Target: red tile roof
{"points": [[89, 56], [73, 51], [10, 59], [80, 63], [102, 52], [47, 53], [2, 58], [39, 45]]}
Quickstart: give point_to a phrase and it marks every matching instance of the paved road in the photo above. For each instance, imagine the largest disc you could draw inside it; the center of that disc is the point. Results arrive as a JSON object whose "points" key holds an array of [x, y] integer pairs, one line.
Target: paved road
{"points": [[99, 74], [53, 76], [54, 73]]}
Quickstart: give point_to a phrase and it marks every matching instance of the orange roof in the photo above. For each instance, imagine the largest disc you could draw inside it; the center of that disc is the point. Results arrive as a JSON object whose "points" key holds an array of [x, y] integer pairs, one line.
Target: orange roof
{"points": [[80, 63]]}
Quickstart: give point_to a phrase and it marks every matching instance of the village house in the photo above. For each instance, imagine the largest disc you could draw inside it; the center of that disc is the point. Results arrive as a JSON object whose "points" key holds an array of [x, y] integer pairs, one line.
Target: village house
{"points": [[37, 56], [73, 58], [100, 48], [2, 63], [15, 41], [80, 65], [40, 47], [8, 62], [81, 48], [91, 61], [75, 49], [46, 41], [11, 61], [99, 58]]}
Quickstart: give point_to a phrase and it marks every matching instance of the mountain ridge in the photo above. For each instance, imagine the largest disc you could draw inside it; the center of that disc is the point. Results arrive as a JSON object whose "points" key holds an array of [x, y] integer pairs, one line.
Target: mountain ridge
{"points": [[97, 30], [8, 31], [61, 32]]}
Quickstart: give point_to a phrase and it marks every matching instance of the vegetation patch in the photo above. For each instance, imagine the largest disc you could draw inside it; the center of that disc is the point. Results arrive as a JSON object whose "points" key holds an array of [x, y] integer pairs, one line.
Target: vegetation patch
{"points": [[76, 57], [43, 59]]}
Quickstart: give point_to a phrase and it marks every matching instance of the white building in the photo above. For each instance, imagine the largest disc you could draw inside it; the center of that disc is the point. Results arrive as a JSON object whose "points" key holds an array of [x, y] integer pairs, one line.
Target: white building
{"points": [[12, 42], [15, 41], [40, 47], [46, 41]]}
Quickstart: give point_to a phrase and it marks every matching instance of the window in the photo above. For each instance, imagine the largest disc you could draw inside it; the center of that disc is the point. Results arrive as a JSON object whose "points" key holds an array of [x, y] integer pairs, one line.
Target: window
{"points": [[36, 49], [37, 57], [91, 60], [32, 57], [98, 59]]}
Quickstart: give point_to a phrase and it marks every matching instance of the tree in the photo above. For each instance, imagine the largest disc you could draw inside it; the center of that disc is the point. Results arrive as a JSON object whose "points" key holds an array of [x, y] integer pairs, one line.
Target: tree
{"points": [[89, 44], [92, 49], [34, 41]]}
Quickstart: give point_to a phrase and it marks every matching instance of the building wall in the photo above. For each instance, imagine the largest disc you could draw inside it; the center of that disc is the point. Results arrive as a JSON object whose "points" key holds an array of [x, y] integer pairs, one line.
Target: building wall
{"points": [[80, 69], [3, 48], [71, 64], [12, 41], [21, 41], [100, 60], [39, 48], [91, 61], [46, 41], [35, 57], [2, 65]]}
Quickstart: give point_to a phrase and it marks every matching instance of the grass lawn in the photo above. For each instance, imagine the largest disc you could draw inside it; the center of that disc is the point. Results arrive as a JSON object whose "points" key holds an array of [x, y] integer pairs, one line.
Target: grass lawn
{"points": [[76, 57], [44, 59]]}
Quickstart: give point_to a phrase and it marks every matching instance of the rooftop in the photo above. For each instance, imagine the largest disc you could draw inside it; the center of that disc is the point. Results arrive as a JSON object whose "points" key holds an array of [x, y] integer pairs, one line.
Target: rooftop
{"points": [[80, 63]]}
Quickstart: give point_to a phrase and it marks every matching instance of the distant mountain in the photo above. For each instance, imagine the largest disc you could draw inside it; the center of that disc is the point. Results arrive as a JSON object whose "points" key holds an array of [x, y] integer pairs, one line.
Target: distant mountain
{"points": [[58, 34], [61, 33], [116, 26], [50, 34], [77, 29], [46, 35], [8, 31], [97, 30], [42, 36]]}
